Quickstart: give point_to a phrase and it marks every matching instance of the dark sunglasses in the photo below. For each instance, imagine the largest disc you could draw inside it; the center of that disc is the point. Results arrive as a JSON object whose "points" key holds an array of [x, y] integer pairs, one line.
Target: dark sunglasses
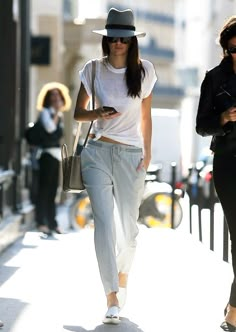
{"points": [[123, 40], [232, 49]]}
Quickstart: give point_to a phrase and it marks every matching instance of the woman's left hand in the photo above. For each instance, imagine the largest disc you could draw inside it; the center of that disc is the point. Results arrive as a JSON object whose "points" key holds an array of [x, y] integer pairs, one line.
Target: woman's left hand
{"points": [[144, 163]]}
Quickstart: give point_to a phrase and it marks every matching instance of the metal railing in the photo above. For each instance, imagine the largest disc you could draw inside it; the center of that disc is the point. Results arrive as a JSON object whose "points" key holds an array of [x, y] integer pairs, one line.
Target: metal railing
{"points": [[196, 197]]}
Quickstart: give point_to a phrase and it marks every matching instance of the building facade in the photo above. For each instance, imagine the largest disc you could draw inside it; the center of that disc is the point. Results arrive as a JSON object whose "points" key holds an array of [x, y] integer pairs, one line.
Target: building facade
{"points": [[197, 50], [50, 41]]}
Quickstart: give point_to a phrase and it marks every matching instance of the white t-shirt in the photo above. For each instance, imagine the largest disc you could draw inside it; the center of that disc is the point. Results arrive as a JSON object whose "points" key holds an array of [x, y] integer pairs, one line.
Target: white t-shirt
{"points": [[111, 90]]}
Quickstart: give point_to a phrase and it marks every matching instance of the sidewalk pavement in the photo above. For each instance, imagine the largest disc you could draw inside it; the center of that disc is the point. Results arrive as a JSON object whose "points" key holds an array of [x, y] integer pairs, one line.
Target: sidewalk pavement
{"points": [[53, 285]]}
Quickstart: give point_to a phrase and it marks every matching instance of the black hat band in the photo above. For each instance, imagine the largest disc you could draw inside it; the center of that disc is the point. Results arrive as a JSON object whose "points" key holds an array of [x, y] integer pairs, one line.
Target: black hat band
{"points": [[120, 27]]}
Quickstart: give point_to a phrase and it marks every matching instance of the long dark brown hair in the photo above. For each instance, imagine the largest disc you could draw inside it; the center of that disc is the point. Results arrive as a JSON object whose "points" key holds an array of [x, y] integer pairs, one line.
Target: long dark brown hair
{"points": [[135, 72], [227, 32], [47, 98]]}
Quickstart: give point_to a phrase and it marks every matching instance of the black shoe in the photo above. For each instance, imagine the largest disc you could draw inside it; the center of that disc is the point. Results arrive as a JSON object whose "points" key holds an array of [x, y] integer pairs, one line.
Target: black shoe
{"points": [[58, 231], [45, 230], [228, 327]]}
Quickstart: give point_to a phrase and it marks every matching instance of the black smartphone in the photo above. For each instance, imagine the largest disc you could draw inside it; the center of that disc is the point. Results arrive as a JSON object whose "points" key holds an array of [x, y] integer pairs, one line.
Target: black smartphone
{"points": [[112, 110]]}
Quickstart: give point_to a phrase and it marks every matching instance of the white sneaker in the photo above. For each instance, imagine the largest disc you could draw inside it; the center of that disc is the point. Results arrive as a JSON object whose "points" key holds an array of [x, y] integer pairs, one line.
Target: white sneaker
{"points": [[112, 316]]}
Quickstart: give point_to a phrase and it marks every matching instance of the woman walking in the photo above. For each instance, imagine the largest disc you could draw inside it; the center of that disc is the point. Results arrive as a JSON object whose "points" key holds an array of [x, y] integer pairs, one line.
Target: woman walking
{"points": [[217, 117], [118, 152]]}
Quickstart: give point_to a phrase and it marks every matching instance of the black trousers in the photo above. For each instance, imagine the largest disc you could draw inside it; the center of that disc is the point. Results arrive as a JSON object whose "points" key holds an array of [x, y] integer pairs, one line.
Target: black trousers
{"points": [[47, 190], [224, 174]]}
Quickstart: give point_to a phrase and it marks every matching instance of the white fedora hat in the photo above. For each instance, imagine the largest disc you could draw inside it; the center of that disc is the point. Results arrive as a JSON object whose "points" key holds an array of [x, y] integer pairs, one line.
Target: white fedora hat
{"points": [[120, 23]]}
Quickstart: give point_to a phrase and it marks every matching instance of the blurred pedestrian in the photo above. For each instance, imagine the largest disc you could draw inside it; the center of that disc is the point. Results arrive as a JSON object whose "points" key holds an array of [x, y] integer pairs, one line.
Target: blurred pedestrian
{"points": [[52, 100], [1, 323], [118, 152], [217, 117]]}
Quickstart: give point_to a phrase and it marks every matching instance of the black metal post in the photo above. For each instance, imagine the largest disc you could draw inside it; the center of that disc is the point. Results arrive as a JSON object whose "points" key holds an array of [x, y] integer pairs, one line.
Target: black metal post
{"points": [[212, 227], [190, 216], [173, 183], [200, 222], [190, 192]]}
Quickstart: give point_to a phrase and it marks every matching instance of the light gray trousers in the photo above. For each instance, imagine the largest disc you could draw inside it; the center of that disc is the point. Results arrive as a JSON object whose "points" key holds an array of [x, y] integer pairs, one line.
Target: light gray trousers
{"points": [[113, 184]]}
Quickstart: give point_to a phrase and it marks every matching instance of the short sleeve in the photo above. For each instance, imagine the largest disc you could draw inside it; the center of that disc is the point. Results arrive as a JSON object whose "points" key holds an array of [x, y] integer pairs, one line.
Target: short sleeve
{"points": [[149, 79], [86, 77]]}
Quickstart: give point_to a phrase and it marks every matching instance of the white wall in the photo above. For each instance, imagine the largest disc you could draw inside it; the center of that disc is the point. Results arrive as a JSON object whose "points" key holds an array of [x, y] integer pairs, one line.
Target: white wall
{"points": [[166, 140]]}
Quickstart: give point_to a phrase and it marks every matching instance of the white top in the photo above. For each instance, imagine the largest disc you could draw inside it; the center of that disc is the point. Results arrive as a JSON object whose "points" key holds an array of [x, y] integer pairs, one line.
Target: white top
{"points": [[50, 127], [111, 90], [47, 121]]}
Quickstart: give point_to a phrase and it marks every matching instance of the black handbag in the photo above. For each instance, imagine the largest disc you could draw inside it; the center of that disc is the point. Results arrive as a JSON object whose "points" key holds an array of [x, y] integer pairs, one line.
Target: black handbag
{"points": [[71, 165], [35, 133]]}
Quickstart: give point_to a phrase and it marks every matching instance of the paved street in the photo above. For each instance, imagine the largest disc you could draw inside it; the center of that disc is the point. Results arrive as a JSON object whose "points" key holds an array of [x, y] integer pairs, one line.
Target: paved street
{"points": [[53, 285]]}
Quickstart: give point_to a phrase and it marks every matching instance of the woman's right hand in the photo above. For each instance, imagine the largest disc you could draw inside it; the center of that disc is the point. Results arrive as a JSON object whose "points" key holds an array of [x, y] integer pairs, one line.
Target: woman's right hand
{"points": [[228, 115], [105, 114]]}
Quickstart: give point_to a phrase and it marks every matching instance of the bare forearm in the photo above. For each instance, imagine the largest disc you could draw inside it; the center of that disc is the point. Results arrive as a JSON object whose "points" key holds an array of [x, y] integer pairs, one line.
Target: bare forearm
{"points": [[99, 113], [146, 128], [147, 137], [85, 115], [81, 112]]}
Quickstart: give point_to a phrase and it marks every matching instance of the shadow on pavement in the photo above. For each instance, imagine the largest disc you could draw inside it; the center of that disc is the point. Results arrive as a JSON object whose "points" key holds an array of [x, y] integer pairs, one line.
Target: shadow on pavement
{"points": [[125, 325], [10, 312], [8, 271]]}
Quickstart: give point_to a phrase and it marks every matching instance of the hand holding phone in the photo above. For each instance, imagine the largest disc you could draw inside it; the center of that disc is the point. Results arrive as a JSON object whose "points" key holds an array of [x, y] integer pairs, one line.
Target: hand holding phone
{"points": [[110, 109]]}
